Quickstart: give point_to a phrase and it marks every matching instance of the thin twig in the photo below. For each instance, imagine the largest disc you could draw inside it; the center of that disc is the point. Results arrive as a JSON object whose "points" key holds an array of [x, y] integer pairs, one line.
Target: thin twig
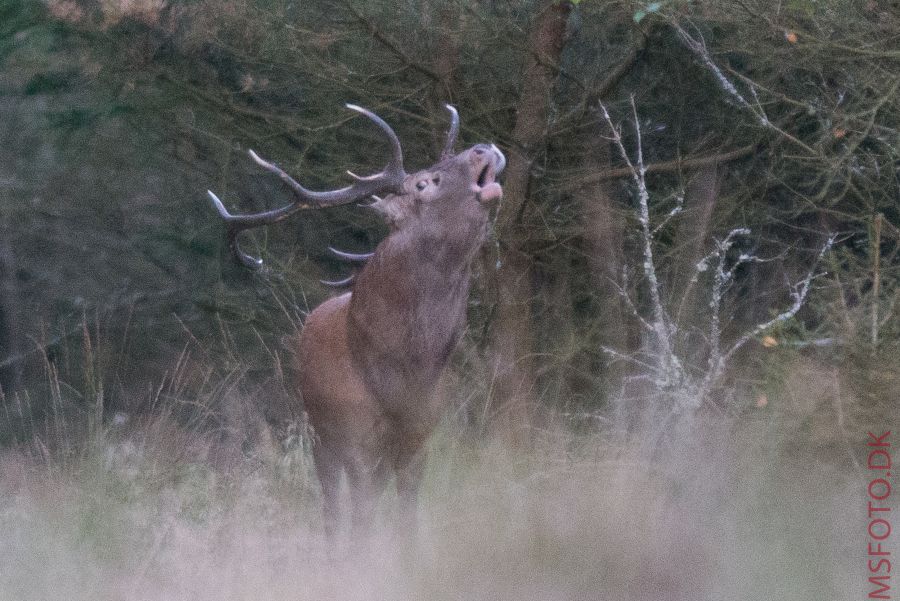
{"points": [[675, 165], [699, 48], [801, 289], [876, 278]]}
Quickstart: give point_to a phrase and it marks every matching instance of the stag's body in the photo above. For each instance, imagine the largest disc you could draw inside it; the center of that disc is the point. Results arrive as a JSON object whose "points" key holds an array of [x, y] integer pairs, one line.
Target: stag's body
{"points": [[369, 361]]}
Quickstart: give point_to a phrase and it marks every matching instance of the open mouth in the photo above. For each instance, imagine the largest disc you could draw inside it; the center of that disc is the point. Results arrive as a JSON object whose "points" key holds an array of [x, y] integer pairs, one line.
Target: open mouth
{"points": [[484, 175], [485, 185], [493, 164]]}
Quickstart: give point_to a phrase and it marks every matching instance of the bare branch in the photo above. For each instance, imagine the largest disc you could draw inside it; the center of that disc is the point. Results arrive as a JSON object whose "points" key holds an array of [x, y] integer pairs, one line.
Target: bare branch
{"points": [[623, 293], [721, 281], [679, 207], [392, 45], [628, 358], [661, 325], [666, 166], [799, 293], [698, 47]]}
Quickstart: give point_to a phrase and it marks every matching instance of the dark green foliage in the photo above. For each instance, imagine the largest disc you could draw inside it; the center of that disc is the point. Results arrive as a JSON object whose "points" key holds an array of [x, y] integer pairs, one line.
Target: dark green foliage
{"points": [[116, 120]]}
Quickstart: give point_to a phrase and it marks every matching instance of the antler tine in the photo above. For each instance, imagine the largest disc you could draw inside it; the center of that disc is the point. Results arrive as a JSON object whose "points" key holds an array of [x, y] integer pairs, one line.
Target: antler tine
{"points": [[339, 283], [396, 164], [232, 230], [452, 133], [350, 257], [389, 179]]}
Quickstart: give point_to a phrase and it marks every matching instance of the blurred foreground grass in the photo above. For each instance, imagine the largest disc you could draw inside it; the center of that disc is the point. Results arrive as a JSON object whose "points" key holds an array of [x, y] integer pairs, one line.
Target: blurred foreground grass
{"points": [[724, 509]]}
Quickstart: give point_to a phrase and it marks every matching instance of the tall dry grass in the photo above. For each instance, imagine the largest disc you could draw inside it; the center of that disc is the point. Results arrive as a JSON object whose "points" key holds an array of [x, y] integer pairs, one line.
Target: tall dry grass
{"points": [[192, 495], [723, 510]]}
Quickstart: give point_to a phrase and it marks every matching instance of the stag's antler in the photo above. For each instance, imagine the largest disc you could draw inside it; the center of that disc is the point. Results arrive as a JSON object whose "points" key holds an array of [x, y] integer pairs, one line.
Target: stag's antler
{"points": [[339, 283], [350, 257], [390, 179]]}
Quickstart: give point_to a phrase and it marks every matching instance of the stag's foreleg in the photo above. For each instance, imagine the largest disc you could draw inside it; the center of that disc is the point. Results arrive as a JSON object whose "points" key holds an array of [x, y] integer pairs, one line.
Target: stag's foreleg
{"points": [[328, 470], [368, 480], [409, 465], [409, 468]]}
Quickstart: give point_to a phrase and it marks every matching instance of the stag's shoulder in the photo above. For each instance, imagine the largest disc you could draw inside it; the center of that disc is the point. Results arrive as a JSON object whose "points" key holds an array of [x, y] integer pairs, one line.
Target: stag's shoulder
{"points": [[332, 304], [329, 317]]}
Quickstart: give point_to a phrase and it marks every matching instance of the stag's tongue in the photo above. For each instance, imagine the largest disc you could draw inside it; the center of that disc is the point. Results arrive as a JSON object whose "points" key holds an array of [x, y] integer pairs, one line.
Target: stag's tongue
{"points": [[490, 192]]}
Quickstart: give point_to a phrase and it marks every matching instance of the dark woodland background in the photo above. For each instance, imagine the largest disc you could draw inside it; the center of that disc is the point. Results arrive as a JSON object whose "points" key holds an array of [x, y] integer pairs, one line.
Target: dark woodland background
{"points": [[118, 297]]}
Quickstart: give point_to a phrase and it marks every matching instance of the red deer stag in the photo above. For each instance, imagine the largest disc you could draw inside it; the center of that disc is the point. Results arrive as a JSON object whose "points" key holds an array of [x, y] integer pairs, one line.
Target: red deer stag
{"points": [[369, 361]]}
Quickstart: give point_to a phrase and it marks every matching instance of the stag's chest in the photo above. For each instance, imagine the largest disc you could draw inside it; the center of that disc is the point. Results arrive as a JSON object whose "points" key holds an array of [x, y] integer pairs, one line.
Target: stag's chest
{"points": [[406, 315], [410, 311]]}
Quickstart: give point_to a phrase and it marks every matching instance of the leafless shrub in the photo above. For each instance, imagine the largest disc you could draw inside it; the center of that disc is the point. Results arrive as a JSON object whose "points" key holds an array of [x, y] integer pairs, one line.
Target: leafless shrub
{"points": [[673, 382]]}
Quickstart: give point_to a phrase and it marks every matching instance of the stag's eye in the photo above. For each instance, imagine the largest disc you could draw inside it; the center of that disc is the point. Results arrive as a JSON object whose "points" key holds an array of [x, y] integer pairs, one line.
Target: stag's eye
{"points": [[421, 185]]}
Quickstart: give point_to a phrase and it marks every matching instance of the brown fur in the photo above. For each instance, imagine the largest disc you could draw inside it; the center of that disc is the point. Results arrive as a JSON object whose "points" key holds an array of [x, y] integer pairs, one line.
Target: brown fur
{"points": [[370, 360]]}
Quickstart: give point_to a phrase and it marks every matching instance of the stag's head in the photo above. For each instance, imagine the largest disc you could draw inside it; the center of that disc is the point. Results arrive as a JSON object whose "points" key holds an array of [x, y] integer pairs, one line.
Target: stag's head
{"points": [[459, 186], [463, 184]]}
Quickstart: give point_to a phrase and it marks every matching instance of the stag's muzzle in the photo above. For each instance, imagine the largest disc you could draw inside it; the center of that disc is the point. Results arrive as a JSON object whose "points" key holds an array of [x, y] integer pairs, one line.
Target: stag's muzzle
{"points": [[487, 189]]}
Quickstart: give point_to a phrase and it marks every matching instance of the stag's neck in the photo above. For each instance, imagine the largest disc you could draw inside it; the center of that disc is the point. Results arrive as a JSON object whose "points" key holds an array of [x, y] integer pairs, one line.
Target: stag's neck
{"points": [[408, 310], [410, 299], [423, 259]]}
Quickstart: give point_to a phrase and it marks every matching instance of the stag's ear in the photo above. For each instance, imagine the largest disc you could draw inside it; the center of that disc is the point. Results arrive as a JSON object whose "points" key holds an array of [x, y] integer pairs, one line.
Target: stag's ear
{"points": [[395, 208]]}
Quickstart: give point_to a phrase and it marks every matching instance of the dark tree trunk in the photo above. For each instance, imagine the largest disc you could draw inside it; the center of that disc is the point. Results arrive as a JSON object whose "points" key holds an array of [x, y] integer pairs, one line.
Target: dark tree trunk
{"points": [[602, 225], [514, 385]]}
